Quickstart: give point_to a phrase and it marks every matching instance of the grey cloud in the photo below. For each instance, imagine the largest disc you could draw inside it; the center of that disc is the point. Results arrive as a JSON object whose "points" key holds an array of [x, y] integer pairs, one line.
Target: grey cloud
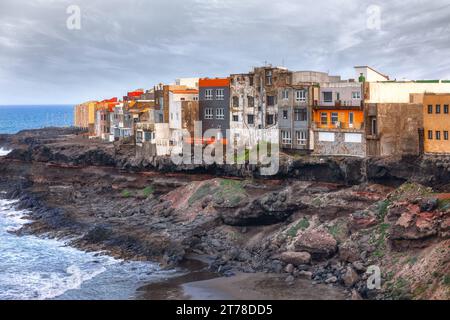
{"points": [[128, 44]]}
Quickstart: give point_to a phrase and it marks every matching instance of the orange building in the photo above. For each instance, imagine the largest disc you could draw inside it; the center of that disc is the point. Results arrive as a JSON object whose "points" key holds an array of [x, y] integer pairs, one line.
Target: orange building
{"points": [[338, 118], [436, 123]]}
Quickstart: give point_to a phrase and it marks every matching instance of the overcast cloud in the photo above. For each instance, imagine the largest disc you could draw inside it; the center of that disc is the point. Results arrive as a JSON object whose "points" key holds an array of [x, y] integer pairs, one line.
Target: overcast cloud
{"points": [[124, 45]]}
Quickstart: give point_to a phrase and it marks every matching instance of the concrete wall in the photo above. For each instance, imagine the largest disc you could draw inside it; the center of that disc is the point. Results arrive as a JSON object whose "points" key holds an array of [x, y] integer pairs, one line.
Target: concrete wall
{"points": [[398, 128], [399, 92], [370, 74], [345, 90]]}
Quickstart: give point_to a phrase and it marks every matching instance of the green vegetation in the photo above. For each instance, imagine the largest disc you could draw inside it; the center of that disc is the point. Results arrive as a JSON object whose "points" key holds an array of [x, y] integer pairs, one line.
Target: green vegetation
{"points": [[231, 191], [148, 191], [303, 224], [399, 289], [410, 190], [317, 202], [443, 204], [339, 230], [126, 193], [378, 239], [382, 207], [201, 192], [447, 280], [412, 261]]}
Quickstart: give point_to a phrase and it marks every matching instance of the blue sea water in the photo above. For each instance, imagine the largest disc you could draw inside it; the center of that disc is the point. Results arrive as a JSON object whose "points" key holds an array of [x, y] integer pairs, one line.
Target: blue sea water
{"points": [[16, 118], [35, 268]]}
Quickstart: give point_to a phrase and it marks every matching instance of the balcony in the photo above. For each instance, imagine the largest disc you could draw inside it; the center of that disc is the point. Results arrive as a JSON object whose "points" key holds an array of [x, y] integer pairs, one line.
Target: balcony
{"points": [[147, 126], [356, 126]]}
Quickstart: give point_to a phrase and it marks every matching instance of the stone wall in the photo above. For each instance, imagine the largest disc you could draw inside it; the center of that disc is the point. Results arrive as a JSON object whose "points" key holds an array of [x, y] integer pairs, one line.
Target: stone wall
{"points": [[339, 147]]}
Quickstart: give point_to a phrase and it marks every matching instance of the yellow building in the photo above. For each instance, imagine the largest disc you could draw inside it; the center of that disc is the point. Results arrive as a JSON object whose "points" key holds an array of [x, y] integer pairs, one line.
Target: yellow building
{"points": [[84, 115], [436, 123]]}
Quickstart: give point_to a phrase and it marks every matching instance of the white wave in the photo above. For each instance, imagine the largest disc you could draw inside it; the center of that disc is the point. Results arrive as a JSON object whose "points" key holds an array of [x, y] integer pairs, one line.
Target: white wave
{"points": [[36, 268], [4, 152]]}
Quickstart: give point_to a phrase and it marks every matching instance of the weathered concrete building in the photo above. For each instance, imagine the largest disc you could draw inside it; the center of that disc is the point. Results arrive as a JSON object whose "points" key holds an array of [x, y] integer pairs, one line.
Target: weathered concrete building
{"points": [[393, 119], [338, 119], [214, 99]]}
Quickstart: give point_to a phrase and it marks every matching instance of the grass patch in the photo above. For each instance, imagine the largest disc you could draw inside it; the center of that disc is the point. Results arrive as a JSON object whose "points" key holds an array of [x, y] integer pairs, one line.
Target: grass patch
{"points": [[446, 280], [338, 231], [126, 193], [412, 261], [201, 192], [400, 289], [378, 239], [148, 191], [301, 225], [231, 191], [382, 209]]}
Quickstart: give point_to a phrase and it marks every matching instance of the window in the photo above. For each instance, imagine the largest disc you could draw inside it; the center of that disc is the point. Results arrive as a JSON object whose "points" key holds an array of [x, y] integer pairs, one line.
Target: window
{"points": [[220, 114], [353, 137], [328, 96], [438, 135], [208, 94], [270, 119], [250, 119], [251, 81], [430, 135], [285, 114], [356, 95], [430, 109], [324, 118], [301, 115], [301, 137], [235, 118], [351, 118], [208, 113], [269, 78], [270, 100], [338, 96], [285, 94], [446, 108], [235, 102], [374, 127], [334, 118], [438, 108], [326, 136], [286, 137], [445, 135], [300, 95], [220, 94], [195, 98], [171, 116], [251, 101]]}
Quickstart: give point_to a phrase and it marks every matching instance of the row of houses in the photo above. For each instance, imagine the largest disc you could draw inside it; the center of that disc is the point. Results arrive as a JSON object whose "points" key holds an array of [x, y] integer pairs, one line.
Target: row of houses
{"points": [[313, 112]]}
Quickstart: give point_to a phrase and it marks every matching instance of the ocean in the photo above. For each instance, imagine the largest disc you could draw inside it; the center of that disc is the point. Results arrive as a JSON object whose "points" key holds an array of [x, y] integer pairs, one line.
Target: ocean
{"points": [[16, 118], [39, 268]]}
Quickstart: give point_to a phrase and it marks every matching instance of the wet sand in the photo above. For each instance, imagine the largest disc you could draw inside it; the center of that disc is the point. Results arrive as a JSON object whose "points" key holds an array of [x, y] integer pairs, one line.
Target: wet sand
{"points": [[200, 284]]}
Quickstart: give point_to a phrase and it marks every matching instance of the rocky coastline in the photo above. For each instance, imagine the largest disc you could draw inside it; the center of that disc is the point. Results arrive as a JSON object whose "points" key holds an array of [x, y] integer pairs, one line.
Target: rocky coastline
{"points": [[322, 220]]}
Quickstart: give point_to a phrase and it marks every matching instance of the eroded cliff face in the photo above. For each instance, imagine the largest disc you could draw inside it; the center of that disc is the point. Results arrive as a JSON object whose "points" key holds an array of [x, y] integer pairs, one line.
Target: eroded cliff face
{"points": [[317, 229]]}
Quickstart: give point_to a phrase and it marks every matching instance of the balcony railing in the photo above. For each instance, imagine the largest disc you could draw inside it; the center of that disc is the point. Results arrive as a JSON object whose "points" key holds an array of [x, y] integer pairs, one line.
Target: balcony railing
{"points": [[339, 125]]}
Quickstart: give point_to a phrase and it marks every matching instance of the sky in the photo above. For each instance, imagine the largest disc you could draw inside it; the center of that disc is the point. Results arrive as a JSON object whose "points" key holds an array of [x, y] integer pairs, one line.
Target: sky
{"points": [[124, 45]]}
